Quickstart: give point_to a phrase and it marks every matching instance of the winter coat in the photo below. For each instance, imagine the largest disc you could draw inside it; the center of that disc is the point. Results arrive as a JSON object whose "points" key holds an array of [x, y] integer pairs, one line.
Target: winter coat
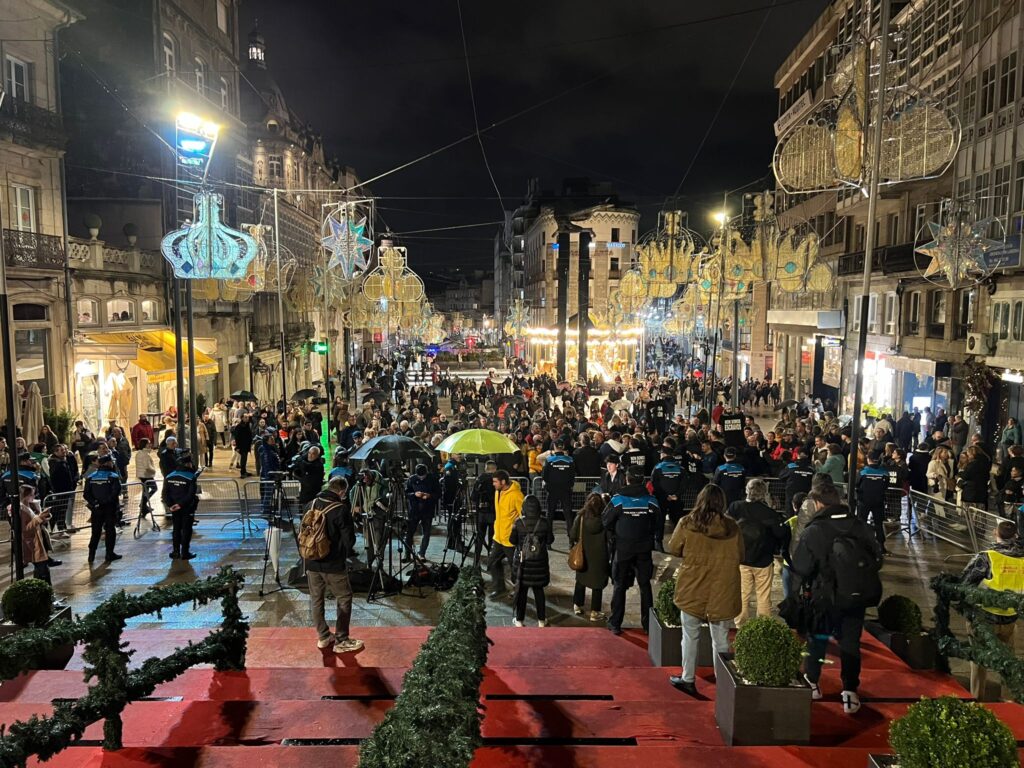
{"points": [[508, 506], [33, 548], [708, 581], [767, 531], [536, 572], [595, 552], [835, 467], [973, 482]]}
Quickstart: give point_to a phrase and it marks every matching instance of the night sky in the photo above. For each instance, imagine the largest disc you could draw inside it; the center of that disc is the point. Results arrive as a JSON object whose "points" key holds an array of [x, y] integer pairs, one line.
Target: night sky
{"points": [[385, 82]]}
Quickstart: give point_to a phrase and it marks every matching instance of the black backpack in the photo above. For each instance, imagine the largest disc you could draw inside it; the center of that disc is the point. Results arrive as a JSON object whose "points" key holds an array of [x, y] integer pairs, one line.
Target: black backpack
{"points": [[532, 548], [849, 579]]}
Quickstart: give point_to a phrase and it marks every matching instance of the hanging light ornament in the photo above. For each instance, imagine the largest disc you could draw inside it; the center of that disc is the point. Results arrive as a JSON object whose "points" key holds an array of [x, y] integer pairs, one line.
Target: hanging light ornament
{"points": [[666, 255], [518, 319], [208, 248], [960, 250], [345, 241], [394, 290]]}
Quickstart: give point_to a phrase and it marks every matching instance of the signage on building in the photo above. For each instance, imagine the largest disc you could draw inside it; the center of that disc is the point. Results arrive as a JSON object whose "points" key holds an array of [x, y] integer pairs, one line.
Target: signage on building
{"points": [[1006, 256], [378, 337], [797, 110]]}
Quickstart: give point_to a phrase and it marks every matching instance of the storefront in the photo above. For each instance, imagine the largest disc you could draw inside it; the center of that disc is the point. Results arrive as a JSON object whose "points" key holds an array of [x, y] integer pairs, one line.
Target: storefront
{"points": [[878, 393], [922, 383]]}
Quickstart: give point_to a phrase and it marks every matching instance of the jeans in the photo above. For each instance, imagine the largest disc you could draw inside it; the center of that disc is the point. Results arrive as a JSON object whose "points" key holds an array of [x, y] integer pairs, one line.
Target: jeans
{"points": [[755, 582], [579, 594], [847, 632], [538, 602], [691, 635], [338, 583], [624, 569], [484, 533], [243, 461]]}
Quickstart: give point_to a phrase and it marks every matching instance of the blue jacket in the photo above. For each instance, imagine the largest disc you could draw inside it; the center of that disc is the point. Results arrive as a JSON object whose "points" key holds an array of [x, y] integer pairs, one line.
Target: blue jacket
{"points": [[666, 478], [872, 483], [180, 488], [559, 473], [102, 488], [731, 478], [632, 517]]}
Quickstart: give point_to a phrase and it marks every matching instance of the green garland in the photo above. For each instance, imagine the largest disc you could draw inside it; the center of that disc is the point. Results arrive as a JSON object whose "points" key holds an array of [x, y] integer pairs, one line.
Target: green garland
{"points": [[107, 660], [983, 648], [436, 719], [978, 380]]}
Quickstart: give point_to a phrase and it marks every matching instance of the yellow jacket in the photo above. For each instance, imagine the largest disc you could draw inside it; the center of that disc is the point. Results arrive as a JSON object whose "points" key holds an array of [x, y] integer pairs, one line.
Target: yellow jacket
{"points": [[535, 466], [508, 506]]}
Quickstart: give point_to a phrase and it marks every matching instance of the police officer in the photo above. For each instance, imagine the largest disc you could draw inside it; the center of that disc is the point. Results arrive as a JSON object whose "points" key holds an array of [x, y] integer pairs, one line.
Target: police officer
{"points": [[482, 496], [731, 477], [180, 496], [798, 475], [559, 476], [872, 483], [102, 496], [667, 480], [631, 519]]}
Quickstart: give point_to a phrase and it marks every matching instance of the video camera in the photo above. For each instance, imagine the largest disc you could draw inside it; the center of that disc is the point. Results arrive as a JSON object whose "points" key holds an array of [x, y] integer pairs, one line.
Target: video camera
{"points": [[279, 476]]}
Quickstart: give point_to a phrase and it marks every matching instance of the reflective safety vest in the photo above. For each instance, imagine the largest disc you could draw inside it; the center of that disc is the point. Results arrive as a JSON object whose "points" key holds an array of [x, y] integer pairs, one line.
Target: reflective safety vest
{"points": [[1007, 576]]}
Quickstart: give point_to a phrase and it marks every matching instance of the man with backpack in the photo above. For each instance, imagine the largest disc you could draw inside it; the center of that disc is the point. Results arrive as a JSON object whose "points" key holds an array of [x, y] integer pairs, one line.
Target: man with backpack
{"points": [[838, 559], [765, 533], [326, 540]]}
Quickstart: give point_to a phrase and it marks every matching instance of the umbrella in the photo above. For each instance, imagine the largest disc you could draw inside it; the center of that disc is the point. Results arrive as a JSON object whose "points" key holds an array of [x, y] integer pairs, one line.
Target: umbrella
{"points": [[478, 442], [786, 404], [564, 385], [509, 400], [32, 424], [377, 395], [304, 394], [391, 448], [622, 405], [243, 394]]}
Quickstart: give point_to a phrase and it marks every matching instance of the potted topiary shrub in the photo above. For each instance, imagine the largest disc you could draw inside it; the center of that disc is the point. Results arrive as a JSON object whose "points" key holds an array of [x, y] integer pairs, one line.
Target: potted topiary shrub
{"points": [[761, 698], [92, 223], [899, 629], [948, 733], [665, 635], [28, 604], [131, 233]]}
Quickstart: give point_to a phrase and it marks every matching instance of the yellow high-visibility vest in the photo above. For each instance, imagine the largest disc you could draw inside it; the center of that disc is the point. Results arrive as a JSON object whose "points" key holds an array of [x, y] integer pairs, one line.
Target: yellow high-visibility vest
{"points": [[1007, 576]]}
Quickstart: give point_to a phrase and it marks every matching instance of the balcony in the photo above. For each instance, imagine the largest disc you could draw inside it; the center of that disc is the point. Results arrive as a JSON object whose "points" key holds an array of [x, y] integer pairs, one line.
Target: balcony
{"points": [[32, 125], [888, 260], [30, 249], [98, 256]]}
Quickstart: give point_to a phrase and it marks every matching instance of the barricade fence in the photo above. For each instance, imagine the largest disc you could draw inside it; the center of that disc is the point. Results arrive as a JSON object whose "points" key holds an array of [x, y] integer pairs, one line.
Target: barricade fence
{"points": [[944, 520]]}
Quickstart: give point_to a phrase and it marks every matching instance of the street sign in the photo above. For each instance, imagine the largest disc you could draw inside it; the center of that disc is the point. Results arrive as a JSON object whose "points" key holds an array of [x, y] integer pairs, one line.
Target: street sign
{"points": [[320, 347]]}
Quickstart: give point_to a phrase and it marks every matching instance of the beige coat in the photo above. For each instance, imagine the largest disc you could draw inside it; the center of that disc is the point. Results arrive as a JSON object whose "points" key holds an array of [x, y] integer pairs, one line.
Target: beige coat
{"points": [[33, 549], [708, 581]]}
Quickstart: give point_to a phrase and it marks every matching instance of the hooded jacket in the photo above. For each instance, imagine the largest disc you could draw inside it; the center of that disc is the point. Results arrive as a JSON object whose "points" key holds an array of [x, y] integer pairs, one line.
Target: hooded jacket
{"points": [[708, 581], [508, 506]]}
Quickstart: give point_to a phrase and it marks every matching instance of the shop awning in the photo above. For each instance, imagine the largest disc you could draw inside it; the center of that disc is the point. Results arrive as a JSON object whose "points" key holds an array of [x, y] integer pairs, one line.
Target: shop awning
{"points": [[918, 366], [155, 353], [805, 320]]}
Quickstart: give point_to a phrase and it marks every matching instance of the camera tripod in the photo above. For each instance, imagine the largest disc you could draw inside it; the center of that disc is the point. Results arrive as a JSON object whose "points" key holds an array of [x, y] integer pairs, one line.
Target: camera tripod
{"points": [[385, 580], [279, 518]]}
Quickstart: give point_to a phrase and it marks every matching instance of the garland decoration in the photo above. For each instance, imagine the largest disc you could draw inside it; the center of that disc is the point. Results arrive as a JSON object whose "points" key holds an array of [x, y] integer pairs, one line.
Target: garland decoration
{"points": [[978, 382], [107, 660], [983, 647], [436, 718]]}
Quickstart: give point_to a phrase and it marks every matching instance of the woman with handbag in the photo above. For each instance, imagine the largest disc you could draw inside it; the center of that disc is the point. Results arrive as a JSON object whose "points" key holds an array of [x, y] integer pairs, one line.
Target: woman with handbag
{"points": [[588, 556], [531, 534], [939, 474]]}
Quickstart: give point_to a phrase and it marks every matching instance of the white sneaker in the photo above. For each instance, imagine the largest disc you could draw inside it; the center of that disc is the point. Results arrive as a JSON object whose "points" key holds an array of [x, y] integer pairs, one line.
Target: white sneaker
{"points": [[542, 623], [578, 610], [321, 644], [516, 623], [348, 646], [598, 616], [851, 702], [815, 689]]}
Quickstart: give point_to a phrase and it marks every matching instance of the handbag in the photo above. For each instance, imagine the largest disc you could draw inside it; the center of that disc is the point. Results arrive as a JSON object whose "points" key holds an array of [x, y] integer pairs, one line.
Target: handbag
{"points": [[577, 557]]}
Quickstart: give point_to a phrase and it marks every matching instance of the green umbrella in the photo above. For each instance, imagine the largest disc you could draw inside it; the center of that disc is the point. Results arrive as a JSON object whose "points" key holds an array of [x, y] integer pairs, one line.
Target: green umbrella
{"points": [[478, 442]]}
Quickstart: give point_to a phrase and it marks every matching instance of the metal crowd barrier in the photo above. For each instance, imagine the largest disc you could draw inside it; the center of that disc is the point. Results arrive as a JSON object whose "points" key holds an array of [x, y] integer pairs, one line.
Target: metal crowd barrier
{"points": [[983, 527], [580, 490], [219, 497], [257, 493], [944, 520]]}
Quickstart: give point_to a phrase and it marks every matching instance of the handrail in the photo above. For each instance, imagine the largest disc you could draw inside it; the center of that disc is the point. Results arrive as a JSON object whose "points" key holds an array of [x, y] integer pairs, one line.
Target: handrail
{"points": [[107, 658]]}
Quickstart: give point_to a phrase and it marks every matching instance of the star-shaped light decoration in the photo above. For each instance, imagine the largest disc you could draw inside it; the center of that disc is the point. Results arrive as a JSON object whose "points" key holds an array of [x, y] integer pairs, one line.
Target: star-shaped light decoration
{"points": [[959, 249], [346, 242]]}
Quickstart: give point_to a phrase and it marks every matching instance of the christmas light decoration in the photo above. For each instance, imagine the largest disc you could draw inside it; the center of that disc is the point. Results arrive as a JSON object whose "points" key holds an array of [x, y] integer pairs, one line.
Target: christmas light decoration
{"points": [[208, 248], [959, 249], [346, 242]]}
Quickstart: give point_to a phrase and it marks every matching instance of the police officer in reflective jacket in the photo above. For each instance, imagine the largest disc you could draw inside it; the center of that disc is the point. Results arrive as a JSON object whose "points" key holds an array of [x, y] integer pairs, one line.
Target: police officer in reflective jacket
{"points": [[731, 477], [631, 520], [872, 482], [667, 480], [181, 498], [103, 497], [559, 475]]}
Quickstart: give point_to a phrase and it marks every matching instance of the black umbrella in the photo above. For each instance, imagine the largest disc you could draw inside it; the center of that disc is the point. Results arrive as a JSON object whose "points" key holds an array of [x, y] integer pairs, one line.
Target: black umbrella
{"points": [[304, 394], [786, 404], [377, 395], [392, 448], [243, 394], [509, 399]]}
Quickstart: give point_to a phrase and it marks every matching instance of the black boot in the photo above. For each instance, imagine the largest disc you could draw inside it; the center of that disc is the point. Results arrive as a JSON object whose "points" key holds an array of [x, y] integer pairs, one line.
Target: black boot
{"points": [[175, 555]]}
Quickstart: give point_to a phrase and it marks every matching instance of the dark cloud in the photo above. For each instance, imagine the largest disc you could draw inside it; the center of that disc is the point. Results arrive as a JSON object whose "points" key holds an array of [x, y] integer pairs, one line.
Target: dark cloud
{"points": [[385, 82]]}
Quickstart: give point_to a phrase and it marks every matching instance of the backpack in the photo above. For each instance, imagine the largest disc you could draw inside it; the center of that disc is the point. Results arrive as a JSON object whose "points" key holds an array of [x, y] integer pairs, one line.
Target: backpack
{"points": [[314, 543], [532, 548], [849, 580]]}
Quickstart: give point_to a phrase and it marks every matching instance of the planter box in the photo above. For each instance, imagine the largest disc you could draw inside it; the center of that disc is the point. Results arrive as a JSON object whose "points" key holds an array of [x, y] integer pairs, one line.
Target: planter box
{"points": [[58, 657], [882, 761], [917, 651], [665, 644], [751, 715]]}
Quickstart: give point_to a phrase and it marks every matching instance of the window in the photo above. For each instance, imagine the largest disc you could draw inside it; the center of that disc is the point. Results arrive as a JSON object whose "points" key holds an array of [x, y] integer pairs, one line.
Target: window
{"points": [[121, 311], [170, 57], [873, 313], [970, 99], [964, 313], [937, 315], [615, 235], [274, 165], [858, 303], [1001, 319], [858, 237], [200, 75], [17, 77], [613, 264], [1001, 193], [225, 97], [890, 314], [30, 312], [151, 311], [222, 16], [914, 313], [1007, 80], [86, 309], [981, 194], [32, 359], [988, 91], [24, 201], [892, 226], [1018, 320]]}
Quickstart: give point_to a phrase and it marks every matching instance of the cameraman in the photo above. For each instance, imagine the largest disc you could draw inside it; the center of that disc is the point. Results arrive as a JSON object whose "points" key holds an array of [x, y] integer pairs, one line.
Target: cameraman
{"points": [[482, 497], [180, 496], [369, 505], [422, 492], [308, 469]]}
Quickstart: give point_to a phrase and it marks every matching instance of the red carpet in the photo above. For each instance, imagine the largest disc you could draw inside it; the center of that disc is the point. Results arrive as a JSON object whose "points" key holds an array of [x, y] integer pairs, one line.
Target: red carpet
{"points": [[553, 697]]}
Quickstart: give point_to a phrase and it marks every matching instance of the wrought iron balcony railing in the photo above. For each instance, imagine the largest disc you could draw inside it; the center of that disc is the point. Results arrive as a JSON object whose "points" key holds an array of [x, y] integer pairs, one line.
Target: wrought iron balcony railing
{"points": [[31, 124], [30, 249]]}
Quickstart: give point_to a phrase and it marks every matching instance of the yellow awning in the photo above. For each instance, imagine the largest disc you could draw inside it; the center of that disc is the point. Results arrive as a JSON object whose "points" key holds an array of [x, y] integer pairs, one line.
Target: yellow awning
{"points": [[155, 353]]}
